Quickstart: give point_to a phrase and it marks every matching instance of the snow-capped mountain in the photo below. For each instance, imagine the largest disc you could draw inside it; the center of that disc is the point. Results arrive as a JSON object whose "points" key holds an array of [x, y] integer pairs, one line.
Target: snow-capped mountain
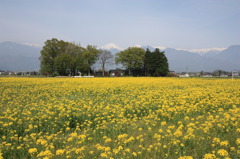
{"points": [[111, 46], [18, 57], [196, 60]]}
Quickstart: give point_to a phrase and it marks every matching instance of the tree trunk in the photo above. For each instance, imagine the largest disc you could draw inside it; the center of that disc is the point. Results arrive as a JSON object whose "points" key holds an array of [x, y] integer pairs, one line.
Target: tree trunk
{"points": [[103, 69], [89, 71]]}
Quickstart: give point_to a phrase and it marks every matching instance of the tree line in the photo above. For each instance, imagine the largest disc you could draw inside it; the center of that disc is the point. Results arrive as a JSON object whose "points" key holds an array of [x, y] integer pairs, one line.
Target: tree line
{"points": [[59, 57]]}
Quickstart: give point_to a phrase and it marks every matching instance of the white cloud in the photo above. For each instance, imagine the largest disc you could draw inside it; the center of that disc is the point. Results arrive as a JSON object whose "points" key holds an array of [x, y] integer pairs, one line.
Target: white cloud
{"points": [[199, 51], [139, 46], [160, 47], [111, 46], [202, 51], [34, 45]]}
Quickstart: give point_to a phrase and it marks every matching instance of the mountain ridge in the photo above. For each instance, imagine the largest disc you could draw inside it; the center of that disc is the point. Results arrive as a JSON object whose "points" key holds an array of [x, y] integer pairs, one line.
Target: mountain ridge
{"points": [[20, 57], [182, 60]]}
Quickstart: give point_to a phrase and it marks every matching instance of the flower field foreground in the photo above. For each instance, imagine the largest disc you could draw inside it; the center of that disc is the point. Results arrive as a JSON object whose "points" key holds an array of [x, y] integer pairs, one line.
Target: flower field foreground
{"points": [[119, 118]]}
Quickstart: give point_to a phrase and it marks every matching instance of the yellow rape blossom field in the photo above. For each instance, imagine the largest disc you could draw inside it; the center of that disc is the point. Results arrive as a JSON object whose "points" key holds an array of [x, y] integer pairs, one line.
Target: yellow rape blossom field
{"points": [[182, 118]]}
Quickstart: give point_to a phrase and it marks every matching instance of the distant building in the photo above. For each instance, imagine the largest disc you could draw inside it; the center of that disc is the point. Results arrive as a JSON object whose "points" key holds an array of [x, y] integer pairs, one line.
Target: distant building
{"points": [[223, 75], [206, 74], [194, 74], [235, 74], [116, 73], [172, 73], [184, 75]]}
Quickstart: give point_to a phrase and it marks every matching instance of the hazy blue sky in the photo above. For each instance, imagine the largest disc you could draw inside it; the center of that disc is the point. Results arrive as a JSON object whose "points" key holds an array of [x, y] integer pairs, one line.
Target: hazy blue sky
{"points": [[189, 24]]}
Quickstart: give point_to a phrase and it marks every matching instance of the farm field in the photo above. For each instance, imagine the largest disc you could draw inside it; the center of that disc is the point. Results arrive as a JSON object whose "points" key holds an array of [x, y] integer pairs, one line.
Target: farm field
{"points": [[119, 118]]}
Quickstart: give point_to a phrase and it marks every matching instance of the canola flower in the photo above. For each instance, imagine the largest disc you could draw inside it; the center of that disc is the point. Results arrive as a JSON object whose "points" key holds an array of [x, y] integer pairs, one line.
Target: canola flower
{"points": [[32, 150], [222, 152], [209, 156], [60, 152], [1, 155], [119, 118]]}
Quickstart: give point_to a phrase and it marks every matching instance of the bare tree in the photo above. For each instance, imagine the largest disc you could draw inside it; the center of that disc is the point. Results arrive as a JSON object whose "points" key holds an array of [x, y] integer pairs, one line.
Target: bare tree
{"points": [[105, 58]]}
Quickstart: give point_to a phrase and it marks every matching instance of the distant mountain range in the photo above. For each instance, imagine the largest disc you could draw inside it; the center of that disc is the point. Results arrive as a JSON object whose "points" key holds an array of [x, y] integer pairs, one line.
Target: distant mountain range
{"points": [[228, 60], [186, 61], [18, 57]]}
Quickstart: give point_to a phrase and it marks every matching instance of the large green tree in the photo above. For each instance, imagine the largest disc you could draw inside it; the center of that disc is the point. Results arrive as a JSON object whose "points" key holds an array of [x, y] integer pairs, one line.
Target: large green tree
{"points": [[58, 56], [156, 63], [131, 58], [90, 56], [147, 62], [63, 64], [49, 52], [75, 51]]}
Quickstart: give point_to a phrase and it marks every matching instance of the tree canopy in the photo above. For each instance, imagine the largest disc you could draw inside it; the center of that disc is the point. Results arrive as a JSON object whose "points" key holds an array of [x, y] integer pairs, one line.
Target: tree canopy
{"points": [[90, 56], [156, 63], [63, 58], [50, 51], [132, 58], [143, 63]]}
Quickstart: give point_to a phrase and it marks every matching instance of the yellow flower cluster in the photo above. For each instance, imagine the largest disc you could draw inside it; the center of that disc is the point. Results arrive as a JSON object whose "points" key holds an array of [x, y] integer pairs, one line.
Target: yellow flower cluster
{"points": [[32, 150], [119, 118]]}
